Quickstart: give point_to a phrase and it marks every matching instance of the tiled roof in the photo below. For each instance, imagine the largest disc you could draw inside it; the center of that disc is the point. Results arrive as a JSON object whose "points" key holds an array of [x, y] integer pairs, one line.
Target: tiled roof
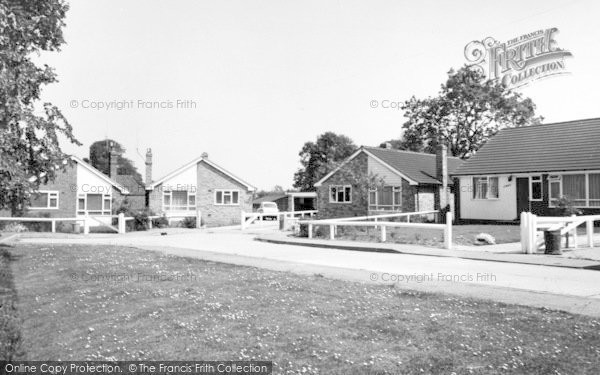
{"points": [[562, 146], [417, 166]]}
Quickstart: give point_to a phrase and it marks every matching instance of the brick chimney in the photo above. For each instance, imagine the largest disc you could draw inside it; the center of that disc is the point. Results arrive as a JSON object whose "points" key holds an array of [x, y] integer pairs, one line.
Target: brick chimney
{"points": [[113, 163], [441, 173], [148, 166]]}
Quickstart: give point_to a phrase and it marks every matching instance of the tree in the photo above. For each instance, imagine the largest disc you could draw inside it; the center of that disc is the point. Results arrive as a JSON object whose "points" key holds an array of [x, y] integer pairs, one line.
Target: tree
{"points": [[467, 112], [99, 158], [30, 154], [277, 189], [318, 157]]}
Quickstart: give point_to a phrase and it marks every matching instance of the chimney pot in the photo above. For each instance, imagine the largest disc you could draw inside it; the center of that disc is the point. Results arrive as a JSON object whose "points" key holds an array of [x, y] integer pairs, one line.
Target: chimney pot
{"points": [[204, 155]]}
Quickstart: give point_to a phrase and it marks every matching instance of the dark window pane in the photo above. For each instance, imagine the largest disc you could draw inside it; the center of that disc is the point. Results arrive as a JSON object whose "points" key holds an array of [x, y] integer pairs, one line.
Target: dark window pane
{"points": [[39, 200], [94, 202]]}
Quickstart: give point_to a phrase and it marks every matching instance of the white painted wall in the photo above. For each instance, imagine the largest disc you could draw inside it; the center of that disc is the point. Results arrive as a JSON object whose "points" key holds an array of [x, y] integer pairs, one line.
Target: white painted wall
{"points": [[391, 178], [503, 208], [88, 182]]}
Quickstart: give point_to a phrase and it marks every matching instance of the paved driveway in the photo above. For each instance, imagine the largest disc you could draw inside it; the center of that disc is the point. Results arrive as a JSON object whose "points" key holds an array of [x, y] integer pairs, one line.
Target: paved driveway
{"points": [[573, 290]]}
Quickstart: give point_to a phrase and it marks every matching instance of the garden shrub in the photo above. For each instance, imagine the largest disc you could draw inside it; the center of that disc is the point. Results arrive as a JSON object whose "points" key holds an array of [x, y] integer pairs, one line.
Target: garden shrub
{"points": [[189, 222]]}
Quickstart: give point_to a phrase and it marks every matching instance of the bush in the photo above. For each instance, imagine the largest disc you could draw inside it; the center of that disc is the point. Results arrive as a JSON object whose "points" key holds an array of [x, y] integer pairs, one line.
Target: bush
{"points": [[189, 222], [161, 222], [15, 227]]}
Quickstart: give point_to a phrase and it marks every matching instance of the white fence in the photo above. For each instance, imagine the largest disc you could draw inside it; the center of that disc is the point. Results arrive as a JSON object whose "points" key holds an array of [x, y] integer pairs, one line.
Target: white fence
{"points": [[363, 221], [86, 221], [532, 226], [247, 218]]}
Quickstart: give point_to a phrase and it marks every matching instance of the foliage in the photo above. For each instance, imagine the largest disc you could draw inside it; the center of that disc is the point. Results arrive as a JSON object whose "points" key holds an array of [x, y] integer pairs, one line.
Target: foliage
{"points": [[277, 189], [318, 157], [467, 111], [161, 222], [15, 227], [189, 222], [100, 157], [565, 207], [30, 154]]}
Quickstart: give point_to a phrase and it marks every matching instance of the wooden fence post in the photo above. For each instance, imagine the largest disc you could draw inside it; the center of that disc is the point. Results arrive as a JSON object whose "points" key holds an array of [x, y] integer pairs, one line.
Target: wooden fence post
{"points": [[310, 230], [383, 233], [243, 220], [198, 219], [448, 231], [332, 232], [532, 238], [121, 223], [53, 226], [86, 224], [524, 232], [574, 234]]}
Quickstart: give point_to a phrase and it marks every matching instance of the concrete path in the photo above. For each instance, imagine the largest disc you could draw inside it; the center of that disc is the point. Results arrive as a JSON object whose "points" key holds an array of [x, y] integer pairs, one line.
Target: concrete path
{"points": [[573, 290]]}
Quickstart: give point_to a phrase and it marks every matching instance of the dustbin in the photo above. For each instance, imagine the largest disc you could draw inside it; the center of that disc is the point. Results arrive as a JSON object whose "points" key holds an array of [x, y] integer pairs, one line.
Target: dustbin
{"points": [[552, 241], [76, 228]]}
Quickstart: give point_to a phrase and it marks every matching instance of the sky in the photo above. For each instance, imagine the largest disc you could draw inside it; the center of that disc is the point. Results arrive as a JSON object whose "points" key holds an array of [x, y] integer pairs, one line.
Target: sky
{"points": [[249, 82]]}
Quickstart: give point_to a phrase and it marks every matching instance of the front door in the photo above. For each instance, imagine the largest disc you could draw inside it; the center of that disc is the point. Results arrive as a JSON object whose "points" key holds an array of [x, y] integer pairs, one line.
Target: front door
{"points": [[522, 195]]}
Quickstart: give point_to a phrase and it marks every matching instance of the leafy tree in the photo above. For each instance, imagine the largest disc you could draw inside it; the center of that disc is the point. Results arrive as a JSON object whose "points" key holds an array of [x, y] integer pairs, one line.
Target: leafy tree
{"points": [[277, 189], [468, 110], [99, 158], [318, 157], [30, 154]]}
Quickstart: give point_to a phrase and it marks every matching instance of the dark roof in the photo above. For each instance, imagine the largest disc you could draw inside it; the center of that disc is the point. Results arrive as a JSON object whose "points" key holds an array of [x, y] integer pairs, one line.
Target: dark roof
{"points": [[562, 146], [269, 198], [417, 166], [134, 186]]}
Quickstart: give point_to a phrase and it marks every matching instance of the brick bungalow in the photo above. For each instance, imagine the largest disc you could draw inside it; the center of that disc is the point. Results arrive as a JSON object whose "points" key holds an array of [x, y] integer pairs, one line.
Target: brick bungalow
{"points": [[78, 190], [413, 181], [528, 169], [200, 186]]}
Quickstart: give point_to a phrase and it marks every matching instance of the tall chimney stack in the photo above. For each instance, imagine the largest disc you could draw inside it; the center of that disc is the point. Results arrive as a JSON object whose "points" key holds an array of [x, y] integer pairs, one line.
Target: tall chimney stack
{"points": [[112, 173], [148, 166]]}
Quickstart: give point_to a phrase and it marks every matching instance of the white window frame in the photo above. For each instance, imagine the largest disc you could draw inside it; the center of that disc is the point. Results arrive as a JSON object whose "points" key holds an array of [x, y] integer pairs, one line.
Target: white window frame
{"points": [[487, 195], [104, 211], [169, 207], [51, 194], [331, 200], [225, 192], [561, 193], [539, 180], [377, 207]]}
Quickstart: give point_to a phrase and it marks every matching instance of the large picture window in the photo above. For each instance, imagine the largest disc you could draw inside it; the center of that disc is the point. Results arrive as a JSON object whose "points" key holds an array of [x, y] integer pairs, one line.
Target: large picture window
{"points": [[583, 189], [227, 197], [485, 187], [386, 198], [179, 200], [44, 199], [340, 194]]}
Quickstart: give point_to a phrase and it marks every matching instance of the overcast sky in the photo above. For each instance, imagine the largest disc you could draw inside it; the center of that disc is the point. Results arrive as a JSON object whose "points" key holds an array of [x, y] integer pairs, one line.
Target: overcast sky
{"points": [[267, 76]]}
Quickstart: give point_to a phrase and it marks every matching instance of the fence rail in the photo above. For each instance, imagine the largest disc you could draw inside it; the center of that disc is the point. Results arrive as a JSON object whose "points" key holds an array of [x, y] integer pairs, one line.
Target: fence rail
{"points": [[532, 224], [383, 225]]}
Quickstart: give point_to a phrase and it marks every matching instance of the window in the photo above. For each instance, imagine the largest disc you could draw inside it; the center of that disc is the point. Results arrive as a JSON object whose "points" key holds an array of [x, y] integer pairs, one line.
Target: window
{"points": [[485, 188], [227, 197], [594, 189], [340, 194], [573, 187], [535, 188], [583, 189], [44, 199], [554, 187], [94, 204], [386, 198], [179, 200]]}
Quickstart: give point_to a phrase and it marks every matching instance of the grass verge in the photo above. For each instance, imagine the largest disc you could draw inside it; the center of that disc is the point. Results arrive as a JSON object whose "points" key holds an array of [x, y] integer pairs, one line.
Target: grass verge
{"points": [[104, 303], [10, 324]]}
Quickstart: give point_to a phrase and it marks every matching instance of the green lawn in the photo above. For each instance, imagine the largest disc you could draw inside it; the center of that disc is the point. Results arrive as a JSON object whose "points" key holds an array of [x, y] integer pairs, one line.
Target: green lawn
{"points": [[303, 324], [462, 234]]}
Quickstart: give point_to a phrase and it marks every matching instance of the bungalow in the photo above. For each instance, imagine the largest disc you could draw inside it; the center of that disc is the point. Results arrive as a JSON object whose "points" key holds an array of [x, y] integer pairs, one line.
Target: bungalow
{"points": [[413, 181], [529, 169], [200, 186], [78, 190]]}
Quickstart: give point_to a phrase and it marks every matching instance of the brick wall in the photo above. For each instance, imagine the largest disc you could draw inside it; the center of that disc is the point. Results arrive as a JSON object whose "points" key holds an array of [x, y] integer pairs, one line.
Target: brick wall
{"points": [[66, 184], [209, 180], [359, 205]]}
